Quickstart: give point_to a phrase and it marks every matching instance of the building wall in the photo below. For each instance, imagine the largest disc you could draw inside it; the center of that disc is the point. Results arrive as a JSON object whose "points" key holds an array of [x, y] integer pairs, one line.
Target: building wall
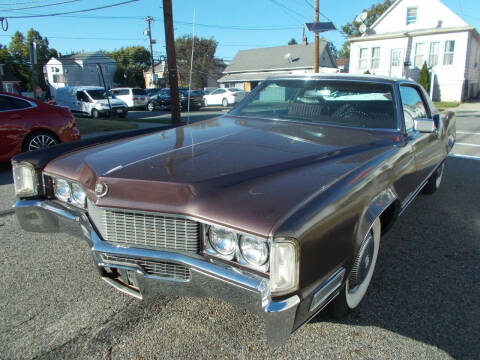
{"points": [[429, 13], [473, 70], [449, 78], [83, 73]]}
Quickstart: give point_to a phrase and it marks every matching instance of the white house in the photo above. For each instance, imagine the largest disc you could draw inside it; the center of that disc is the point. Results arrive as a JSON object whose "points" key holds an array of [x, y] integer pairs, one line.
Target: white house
{"points": [[411, 32], [80, 70]]}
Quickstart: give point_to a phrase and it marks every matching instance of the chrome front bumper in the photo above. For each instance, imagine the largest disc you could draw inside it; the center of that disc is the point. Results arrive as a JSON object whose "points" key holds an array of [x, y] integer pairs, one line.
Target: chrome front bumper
{"points": [[207, 279]]}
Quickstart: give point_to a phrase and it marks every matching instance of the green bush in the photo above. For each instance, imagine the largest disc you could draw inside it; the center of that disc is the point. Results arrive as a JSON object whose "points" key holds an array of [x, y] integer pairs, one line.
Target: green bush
{"points": [[424, 78]]}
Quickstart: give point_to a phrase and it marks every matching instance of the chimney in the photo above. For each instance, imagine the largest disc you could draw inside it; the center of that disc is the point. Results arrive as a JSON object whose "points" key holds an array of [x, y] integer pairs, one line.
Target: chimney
{"points": [[304, 38]]}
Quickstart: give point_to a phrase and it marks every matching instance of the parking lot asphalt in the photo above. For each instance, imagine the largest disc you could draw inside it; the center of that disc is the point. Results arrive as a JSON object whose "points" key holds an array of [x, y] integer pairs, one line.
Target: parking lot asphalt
{"points": [[422, 304]]}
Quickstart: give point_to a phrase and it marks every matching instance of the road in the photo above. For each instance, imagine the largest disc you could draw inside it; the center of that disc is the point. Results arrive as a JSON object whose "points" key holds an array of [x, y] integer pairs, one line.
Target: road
{"points": [[422, 304]]}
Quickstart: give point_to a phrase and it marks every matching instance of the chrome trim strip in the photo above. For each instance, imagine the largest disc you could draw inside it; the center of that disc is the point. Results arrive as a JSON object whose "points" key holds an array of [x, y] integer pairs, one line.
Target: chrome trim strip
{"points": [[408, 200], [327, 289], [123, 288]]}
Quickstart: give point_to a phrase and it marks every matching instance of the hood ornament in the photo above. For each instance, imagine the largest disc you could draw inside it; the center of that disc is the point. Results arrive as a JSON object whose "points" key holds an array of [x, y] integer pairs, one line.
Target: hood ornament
{"points": [[101, 189]]}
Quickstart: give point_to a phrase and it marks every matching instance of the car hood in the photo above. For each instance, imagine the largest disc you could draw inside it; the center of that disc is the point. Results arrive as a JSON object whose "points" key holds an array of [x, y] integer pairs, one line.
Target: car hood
{"points": [[242, 173]]}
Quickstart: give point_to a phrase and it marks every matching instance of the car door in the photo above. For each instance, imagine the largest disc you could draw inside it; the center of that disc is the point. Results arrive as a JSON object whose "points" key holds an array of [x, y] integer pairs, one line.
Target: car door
{"points": [[13, 118], [218, 95], [83, 102], [427, 147]]}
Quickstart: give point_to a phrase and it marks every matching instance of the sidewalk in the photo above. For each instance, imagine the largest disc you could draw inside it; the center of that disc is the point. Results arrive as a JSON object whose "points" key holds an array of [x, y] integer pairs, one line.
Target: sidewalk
{"points": [[473, 105]]}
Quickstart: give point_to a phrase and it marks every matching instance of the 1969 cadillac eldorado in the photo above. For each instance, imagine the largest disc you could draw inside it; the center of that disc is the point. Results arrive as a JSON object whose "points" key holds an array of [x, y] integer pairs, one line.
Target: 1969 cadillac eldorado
{"points": [[277, 206]]}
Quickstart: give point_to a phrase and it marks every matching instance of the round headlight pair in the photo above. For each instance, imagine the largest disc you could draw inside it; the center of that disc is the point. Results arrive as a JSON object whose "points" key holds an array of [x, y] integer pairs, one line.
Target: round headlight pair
{"points": [[253, 250], [69, 192]]}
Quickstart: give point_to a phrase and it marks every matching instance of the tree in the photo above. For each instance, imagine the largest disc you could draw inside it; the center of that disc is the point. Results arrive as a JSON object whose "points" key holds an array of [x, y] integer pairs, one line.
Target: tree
{"points": [[131, 62], [353, 29], [292, 42], [20, 62], [424, 78], [203, 60]]}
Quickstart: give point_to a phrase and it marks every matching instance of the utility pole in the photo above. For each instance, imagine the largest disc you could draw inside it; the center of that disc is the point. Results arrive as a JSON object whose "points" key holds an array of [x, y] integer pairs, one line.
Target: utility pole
{"points": [[32, 52], [100, 71], [171, 60], [149, 22], [315, 56]]}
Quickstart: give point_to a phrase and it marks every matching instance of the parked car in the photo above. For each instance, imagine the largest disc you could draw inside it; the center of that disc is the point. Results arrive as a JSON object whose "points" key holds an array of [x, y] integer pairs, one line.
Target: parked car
{"points": [[164, 98], [208, 90], [158, 100], [27, 124], [277, 206], [224, 96], [92, 101], [133, 97]]}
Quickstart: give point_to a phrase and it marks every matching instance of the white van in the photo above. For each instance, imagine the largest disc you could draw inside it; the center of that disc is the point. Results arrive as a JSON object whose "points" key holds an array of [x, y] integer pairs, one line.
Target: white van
{"points": [[133, 97], [89, 100]]}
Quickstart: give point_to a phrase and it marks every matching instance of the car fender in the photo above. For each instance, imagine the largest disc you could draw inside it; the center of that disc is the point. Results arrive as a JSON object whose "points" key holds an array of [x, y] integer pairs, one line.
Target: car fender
{"points": [[375, 208]]}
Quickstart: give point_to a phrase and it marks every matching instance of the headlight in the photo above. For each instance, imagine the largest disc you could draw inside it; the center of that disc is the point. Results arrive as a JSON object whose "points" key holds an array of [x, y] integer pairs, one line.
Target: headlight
{"points": [[78, 196], [69, 192], [254, 250], [284, 267], [62, 190], [223, 241], [25, 179]]}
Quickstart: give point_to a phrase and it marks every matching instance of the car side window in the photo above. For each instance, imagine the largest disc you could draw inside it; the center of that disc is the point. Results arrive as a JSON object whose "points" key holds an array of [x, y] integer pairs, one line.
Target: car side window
{"points": [[81, 96], [412, 105], [19, 104], [5, 103]]}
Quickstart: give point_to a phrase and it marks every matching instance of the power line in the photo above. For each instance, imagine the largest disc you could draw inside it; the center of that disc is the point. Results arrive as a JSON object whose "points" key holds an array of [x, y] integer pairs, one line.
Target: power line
{"points": [[84, 38], [40, 6], [72, 12], [23, 3]]}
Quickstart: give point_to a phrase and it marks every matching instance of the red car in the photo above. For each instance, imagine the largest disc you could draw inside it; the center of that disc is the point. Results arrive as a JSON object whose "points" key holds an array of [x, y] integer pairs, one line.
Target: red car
{"points": [[27, 124]]}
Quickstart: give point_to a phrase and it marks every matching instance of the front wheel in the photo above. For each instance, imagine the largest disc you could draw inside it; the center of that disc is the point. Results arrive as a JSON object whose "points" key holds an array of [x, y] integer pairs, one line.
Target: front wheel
{"points": [[435, 180], [360, 276], [225, 102], [150, 106], [95, 114], [205, 103]]}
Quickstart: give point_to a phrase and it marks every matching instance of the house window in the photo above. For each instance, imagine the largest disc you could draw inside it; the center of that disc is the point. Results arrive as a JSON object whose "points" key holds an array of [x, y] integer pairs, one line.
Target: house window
{"points": [[362, 64], [411, 15], [375, 58], [419, 57], [449, 50], [433, 55], [396, 57], [58, 78]]}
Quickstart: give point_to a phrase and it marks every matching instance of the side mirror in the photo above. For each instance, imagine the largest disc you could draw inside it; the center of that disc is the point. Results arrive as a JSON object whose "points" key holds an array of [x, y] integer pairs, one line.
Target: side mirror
{"points": [[425, 125]]}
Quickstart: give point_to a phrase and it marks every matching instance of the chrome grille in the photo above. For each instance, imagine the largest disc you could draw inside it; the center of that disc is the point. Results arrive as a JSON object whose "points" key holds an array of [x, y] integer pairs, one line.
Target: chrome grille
{"points": [[145, 230], [158, 268]]}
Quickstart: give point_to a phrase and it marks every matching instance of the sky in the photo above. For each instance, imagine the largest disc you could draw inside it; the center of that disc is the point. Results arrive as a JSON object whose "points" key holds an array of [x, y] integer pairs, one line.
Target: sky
{"points": [[235, 25]]}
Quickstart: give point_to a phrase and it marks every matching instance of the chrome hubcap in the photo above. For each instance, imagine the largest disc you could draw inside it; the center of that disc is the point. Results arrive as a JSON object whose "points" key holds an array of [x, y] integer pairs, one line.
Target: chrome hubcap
{"points": [[41, 142], [362, 264]]}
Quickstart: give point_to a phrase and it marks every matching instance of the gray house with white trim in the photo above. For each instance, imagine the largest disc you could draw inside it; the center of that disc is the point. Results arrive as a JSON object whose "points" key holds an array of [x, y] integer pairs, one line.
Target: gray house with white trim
{"points": [[249, 67]]}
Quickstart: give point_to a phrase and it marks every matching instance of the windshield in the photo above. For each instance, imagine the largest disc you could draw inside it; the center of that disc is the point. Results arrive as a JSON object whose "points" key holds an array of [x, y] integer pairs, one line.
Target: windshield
{"points": [[98, 94], [338, 102], [139, 92]]}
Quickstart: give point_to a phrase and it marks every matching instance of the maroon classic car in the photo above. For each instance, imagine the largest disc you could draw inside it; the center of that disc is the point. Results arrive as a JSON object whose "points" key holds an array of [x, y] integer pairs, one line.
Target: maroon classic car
{"points": [[277, 206]]}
